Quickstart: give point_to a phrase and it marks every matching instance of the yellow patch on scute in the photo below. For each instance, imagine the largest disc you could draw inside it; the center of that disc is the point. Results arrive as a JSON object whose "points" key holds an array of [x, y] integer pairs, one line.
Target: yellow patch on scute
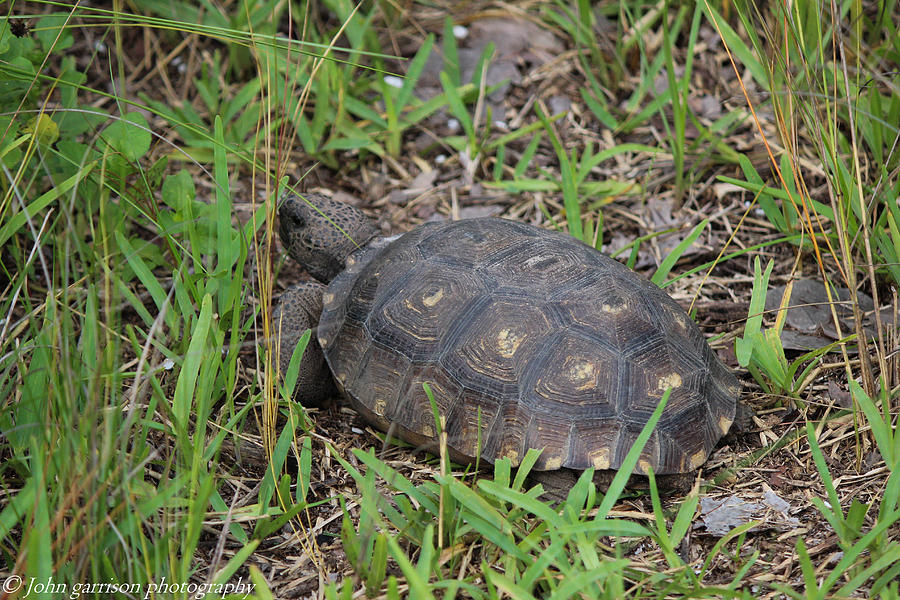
{"points": [[725, 424], [672, 380], [600, 459], [553, 464], [508, 342], [697, 459], [582, 372], [512, 454], [644, 465], [379, 406], [430, 300], [327, 298], [613, 309]]}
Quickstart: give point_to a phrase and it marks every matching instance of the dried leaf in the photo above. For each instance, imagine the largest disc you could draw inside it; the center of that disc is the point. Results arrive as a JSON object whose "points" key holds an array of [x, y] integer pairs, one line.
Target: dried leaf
{"points": [[719, 516], [809, 314]]}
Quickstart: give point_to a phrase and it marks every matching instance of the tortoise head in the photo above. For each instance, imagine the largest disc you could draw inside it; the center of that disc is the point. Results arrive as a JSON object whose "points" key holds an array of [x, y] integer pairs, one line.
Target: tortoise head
{"points": [[320, 233]]}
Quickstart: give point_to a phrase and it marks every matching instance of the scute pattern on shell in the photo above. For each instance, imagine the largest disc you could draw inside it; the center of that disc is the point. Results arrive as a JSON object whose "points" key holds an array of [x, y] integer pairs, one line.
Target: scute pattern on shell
{"points": [[528, 338]]}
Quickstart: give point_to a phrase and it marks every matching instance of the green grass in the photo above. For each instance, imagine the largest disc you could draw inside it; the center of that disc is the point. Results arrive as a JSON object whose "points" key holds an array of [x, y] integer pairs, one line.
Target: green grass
{"points": [[135, 339]]}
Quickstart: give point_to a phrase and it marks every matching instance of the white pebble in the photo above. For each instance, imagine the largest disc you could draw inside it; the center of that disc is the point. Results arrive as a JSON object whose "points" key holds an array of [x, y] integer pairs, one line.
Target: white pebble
{"points": [[453, 125], [460, 32], [440, 159], [168, 364], [393, 81]]}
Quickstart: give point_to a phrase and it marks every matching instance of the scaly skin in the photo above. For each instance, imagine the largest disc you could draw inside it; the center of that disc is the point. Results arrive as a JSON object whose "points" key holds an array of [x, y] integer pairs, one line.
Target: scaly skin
{"points": [[320, 234]]}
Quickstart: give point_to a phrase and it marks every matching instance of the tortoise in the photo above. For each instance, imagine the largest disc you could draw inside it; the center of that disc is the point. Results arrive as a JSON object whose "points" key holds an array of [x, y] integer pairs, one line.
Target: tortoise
{"points": [[528, 338]]}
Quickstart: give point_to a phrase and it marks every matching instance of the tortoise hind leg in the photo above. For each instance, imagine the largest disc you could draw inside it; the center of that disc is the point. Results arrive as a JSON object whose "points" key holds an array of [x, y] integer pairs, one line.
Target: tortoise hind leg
{"points": [[299, 310]]}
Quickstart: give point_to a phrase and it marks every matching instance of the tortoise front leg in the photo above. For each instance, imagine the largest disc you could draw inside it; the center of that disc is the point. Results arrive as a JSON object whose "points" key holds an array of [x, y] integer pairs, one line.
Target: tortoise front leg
{"points": [[299, 310]]}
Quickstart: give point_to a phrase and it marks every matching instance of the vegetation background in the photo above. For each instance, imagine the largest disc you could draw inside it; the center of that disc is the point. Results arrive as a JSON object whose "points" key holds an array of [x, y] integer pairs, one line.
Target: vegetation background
{"points": [[742, 155]]}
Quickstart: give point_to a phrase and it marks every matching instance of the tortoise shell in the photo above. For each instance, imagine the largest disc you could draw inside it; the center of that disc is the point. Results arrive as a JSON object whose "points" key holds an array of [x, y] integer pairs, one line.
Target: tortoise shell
{"points": [[528, 338]]}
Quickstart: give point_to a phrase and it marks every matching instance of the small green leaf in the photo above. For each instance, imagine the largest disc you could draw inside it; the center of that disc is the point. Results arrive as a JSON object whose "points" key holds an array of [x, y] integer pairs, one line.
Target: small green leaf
{"points": [[53, 33], [44, 129], [178, 191], [129, 136], [190, 368], [451, 53], [377, 568], [18, 220], [663, 271], [744, 345]]}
